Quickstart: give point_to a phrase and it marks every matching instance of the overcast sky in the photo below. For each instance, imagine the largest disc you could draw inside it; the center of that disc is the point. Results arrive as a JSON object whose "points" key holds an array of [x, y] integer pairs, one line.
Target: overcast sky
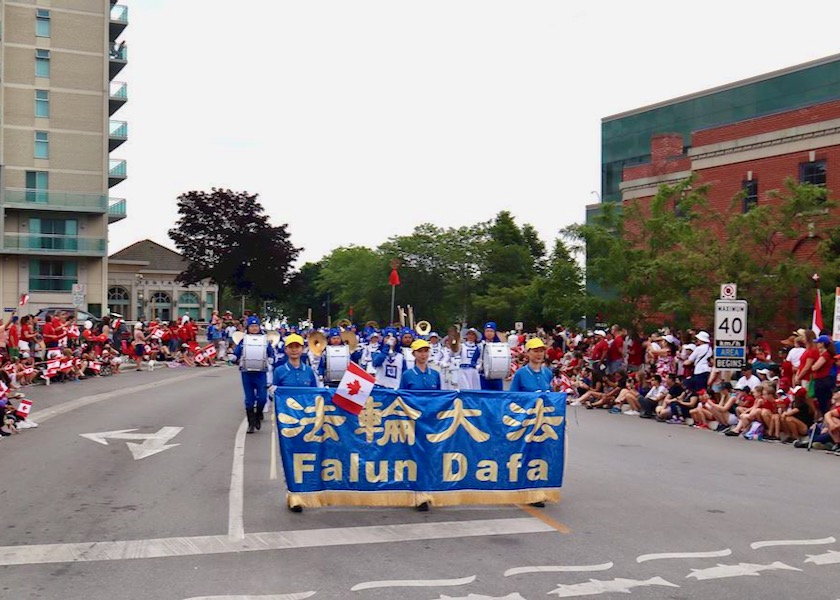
{"points": [[358, 120]]}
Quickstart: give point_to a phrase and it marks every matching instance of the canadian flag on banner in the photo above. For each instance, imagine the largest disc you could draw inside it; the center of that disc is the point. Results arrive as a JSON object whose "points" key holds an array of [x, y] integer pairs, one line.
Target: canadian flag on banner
{"points": [[354, 389], [23, 408]]}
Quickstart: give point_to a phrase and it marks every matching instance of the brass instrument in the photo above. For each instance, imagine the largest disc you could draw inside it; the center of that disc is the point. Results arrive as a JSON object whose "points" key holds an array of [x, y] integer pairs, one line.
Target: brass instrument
{"points": [[237, 337], [410, 317], [453, 340], [423, 328], [350, 339], [317, 343], [273, 337], [402, 315], [373, 324], [344, 324]]}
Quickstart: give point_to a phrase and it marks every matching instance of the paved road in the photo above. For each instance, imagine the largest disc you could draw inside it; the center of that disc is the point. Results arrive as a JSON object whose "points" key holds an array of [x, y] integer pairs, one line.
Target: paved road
{"points": [[87, 520]]}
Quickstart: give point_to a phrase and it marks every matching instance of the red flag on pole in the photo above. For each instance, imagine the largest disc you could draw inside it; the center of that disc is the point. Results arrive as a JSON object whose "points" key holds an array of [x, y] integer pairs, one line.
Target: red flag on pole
{"points": [[394, 278], [817, 320]]}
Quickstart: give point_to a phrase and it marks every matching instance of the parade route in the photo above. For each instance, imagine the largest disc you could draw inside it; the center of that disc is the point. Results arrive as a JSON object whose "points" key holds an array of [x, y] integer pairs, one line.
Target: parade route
{"points": [[646, 508]]}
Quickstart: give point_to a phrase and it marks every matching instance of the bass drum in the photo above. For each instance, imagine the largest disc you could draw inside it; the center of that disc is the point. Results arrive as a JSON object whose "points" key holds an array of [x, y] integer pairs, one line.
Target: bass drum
{"points": [[496, 360], [338, 359]]}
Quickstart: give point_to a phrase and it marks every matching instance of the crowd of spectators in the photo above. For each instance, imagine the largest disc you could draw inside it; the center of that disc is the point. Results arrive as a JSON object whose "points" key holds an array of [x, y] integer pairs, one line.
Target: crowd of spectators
{"points": [[59, 350], [790, 396]]}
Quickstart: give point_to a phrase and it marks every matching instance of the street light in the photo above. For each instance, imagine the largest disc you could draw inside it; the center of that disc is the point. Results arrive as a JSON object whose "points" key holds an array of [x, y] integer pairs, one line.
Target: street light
{"points": [[597, 195], [138, 280]]}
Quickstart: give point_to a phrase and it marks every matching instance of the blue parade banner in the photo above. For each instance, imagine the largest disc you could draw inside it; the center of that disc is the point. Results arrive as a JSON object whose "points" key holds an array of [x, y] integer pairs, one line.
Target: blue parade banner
{"points": [[408, 447]]}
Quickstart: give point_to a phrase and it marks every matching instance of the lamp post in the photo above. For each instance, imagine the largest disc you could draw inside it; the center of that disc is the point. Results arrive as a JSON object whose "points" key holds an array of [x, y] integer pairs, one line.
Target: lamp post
{"points": [[138, 280]]}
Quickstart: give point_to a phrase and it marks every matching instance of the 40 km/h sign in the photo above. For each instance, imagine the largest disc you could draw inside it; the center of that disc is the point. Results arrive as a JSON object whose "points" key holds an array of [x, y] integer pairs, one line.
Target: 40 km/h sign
{"points": [[730, 334]]}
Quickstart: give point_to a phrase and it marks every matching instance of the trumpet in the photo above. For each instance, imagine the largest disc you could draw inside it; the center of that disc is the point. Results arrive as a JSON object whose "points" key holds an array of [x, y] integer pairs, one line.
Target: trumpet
{"points": [[423, 328]]}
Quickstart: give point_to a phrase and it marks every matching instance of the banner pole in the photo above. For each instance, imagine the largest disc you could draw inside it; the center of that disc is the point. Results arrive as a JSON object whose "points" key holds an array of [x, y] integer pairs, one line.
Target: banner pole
{"points": [[393, 292]]}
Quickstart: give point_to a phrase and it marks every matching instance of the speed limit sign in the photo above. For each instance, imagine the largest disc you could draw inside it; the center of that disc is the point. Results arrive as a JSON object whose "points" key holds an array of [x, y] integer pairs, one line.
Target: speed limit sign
{"points": [[730, 334]]}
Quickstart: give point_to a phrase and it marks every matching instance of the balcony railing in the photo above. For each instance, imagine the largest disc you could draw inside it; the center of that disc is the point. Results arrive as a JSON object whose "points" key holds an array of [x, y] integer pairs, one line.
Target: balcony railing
{"points": [[119, 13], [116, 210], [117, 168], [32, 243], [119, 52], [118, 134], [51, 200], [119, 90], [118, 58]]}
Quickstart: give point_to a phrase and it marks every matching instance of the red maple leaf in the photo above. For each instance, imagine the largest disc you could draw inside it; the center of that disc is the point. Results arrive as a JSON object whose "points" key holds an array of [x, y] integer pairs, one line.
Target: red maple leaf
{"points": [[353, 387]]}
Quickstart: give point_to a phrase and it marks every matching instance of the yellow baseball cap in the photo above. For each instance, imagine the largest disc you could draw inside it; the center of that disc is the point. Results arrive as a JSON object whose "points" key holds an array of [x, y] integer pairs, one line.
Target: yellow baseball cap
{"points": [[534, 343], [418, 344], [293, 339]]}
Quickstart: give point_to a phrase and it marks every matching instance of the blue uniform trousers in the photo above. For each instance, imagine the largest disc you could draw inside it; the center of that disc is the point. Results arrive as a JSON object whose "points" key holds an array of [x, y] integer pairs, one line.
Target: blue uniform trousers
{"points": [[255, 386], [497, 385]]}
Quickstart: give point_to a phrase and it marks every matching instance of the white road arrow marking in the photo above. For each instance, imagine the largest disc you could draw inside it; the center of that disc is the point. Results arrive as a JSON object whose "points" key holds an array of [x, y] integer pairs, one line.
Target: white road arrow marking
{"points": [[768, 544], [832, 557], [594, 587], [514, 596], [152, 443], [669, 555], [559, 569], [739, 570]]}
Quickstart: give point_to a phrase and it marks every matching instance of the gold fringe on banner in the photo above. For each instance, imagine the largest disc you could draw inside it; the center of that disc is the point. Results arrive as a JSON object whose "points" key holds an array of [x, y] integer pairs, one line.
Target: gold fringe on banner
{"points": [[412, 499]]}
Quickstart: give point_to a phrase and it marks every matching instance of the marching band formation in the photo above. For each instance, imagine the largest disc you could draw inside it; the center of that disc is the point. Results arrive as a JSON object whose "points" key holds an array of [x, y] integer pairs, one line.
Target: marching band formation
{"points": [[399, 357]]}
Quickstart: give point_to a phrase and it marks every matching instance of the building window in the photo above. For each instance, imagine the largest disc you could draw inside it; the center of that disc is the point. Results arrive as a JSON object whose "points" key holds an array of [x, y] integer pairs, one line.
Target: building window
{"points": [[119, 300], [42, 104], [42, 144], [54, 234], [42, 23], [750, 190], [161, 306], [52, 275], [42, 63], [812, 172], [37, 184]]}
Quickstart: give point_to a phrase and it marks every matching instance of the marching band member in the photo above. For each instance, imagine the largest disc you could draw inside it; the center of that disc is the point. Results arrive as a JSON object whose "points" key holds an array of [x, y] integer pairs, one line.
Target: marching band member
{"points": [[436, 349], [490, 337], [389, 363], [468, 359], [372, 346], [406, 340], [533, 376], [333, 339], [420, 376], [294, 372], [254, 361]]}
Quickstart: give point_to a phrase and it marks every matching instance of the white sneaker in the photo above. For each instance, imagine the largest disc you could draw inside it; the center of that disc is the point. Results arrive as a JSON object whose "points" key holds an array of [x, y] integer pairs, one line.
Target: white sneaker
{"points": [[576, 403], [632, 413], [32, 424]]}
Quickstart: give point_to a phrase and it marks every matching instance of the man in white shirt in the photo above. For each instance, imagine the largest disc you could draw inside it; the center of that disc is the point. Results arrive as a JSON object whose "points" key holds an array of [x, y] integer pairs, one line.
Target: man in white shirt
{"points": [[700, 359], [748, 379]]}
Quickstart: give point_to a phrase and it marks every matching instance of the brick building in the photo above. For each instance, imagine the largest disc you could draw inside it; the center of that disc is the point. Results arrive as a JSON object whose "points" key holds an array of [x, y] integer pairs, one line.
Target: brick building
{"points": [[746, 136]]}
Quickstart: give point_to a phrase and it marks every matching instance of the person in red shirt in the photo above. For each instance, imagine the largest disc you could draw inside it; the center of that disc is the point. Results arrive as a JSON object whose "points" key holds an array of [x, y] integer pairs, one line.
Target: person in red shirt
{"points": [[49, 333], [821, 372], [601, 347], [809, 357], [615, 352], [13, 332]]}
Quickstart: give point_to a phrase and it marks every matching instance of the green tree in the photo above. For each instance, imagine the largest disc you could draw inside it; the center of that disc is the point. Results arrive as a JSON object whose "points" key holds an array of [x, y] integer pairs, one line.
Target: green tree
{"points": [[355, 277], [225, 236]]}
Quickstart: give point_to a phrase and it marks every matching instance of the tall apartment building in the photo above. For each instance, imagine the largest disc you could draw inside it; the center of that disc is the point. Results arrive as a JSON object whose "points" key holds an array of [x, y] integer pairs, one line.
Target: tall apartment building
{"points": [[58, 97]]}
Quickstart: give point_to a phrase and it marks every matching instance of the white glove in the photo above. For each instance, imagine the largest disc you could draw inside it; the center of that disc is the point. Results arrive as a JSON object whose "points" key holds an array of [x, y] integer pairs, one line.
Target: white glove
{"points": [[271, 390]]}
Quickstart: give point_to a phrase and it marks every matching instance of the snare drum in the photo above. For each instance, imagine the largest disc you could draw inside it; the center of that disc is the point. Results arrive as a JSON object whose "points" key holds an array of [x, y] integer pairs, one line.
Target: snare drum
{"points": [[496, 360], [338, 359]]}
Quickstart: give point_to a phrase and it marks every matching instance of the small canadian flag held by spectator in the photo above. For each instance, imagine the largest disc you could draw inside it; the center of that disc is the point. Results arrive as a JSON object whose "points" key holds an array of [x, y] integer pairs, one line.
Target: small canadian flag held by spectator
{"points": [[24, 298], [24, 408], [95, 367], [209, 351], [354, 389]]}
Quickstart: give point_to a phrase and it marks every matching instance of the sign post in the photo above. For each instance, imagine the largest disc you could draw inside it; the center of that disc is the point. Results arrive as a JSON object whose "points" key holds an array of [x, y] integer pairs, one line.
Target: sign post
{"points": [[730, 334]]}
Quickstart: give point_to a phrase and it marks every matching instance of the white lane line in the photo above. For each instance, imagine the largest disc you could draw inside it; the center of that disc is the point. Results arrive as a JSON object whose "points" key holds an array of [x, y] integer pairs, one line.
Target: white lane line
{"points": [[272, 469], [370, 585], [49, 413], [739, 570], [256, 542], [236, 502], [559, 569], [767, 544], [294, 596], [714, 554]]}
